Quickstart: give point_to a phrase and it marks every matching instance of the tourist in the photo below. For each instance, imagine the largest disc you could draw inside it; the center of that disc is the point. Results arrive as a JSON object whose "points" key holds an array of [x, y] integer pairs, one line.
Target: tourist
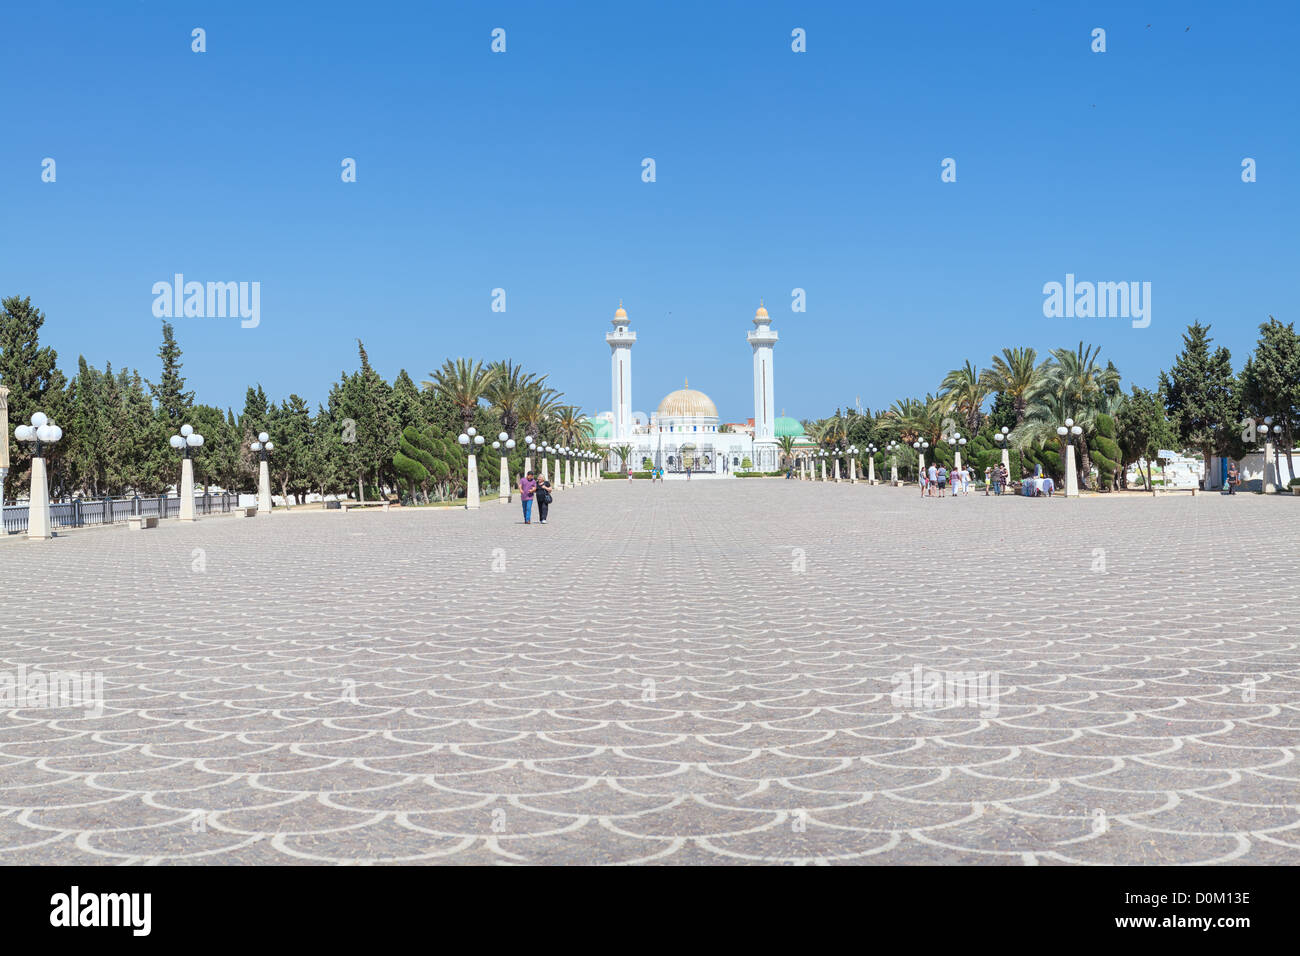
{"points": [[629, 472], [988, 479], [527, 489], [1004, 478], [923, 482], [543, 500], [943, 480], [933, 479], [1234, 478]]}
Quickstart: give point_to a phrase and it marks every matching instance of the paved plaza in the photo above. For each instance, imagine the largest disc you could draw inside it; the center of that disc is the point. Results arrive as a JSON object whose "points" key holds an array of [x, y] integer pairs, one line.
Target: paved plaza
{"points": [[703, 672]]}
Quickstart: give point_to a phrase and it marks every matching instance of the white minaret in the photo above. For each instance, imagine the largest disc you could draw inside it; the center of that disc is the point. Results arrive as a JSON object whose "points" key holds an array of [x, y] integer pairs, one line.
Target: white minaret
{"points": [[762, 339], [620, 344]]}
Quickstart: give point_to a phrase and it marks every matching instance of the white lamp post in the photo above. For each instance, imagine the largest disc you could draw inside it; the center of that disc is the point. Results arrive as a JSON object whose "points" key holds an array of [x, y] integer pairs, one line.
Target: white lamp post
{"points": [[920, 447], [957, 443], [1068, 432], [263, 447], [471, 440], [871, 463], [892, 448], [187, 441], [504, 444], [40, 432], [1002, 438], [528, 459]]}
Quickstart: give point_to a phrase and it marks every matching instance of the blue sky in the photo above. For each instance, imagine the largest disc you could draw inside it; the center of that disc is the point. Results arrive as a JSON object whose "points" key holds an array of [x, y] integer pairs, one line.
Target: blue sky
{"points": [[775, 170]]}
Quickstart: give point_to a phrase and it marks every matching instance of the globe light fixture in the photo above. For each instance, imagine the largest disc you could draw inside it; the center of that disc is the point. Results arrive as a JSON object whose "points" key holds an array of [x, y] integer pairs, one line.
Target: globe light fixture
{"points": [[263, 446], [188, 441], [40, 433]]}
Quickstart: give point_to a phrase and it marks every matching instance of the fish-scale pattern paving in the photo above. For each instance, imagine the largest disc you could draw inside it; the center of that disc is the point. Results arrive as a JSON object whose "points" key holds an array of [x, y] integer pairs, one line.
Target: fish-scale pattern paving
{"points": [[676, 673]]}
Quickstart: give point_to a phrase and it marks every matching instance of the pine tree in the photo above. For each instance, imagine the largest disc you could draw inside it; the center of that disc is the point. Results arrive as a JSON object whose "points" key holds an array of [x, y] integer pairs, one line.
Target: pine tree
{"points": [[1270, 382], [173, 400], [30, 372], [1198, 393]]}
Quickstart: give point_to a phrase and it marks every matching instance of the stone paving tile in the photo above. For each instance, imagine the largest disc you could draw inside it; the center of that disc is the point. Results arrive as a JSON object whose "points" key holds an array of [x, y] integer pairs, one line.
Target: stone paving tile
{"points": [[669, 674]]}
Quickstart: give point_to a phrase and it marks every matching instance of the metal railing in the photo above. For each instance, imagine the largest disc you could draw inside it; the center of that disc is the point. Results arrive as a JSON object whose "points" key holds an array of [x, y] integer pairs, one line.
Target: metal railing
{"points": [[85, 512]]}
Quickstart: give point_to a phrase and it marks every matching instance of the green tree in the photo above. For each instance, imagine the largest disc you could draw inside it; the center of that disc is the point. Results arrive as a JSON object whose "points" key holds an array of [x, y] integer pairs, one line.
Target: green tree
{"points": [[173, 400], [464, 383], [365, 400], [30, 371], [1105, 451], [966, 389], [1198, 392], [1270, 382], [290, 422], [1143, 429], [1017, 374]]}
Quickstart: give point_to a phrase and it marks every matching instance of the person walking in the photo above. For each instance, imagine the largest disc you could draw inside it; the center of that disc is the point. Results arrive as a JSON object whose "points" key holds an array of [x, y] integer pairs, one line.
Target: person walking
{"points": [[942, 476], [1234, 478], [527, 491], [543, 500], [988, 479], [924, 481], [932, 480]]}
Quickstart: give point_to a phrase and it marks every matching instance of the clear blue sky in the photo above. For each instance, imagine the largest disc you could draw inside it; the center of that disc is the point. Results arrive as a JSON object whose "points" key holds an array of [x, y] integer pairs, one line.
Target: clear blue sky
{"points": [[522, 170]]}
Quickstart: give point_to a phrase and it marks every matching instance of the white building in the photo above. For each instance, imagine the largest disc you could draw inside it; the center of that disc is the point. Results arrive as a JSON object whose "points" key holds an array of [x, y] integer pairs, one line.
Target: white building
{"points": [[683, 435]]}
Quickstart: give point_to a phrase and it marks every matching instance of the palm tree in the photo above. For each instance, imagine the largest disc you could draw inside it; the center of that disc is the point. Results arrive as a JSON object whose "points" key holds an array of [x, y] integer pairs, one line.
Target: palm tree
{"points": [[1073, 385], [1018, 373], [574, 426], [463, 383], [537, 406], [918, 418], [508, 390], [787, 448], [965, 389], [624, 452]]}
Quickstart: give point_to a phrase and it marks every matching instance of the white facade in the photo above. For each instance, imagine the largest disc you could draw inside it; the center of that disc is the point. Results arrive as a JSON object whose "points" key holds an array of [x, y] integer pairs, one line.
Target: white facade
{"points": [[620, 346], [762, 340], [683, 436]]}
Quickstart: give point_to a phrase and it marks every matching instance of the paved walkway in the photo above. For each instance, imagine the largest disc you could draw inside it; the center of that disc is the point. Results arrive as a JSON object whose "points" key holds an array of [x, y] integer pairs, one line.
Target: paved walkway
{"points": [[747, 671]]}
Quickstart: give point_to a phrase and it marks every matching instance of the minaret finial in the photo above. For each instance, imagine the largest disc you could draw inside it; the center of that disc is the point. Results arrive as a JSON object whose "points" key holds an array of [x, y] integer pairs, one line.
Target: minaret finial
{"points": [[686, 383]]}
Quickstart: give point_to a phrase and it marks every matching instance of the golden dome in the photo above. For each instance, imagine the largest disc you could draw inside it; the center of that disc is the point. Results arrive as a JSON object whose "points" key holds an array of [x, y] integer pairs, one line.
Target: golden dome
{"points": [[761, 313], [621, 313], [687, 403]]}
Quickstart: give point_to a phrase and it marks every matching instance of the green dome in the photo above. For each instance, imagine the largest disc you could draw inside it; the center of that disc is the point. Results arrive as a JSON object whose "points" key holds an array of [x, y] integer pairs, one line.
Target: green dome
{"points": [[788, 426], [602, 428]]}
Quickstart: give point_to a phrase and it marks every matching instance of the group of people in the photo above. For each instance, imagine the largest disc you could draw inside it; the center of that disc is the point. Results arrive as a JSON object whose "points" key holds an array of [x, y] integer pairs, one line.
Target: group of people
{"points": [[938, 476], [531, 488], [997, 477]]}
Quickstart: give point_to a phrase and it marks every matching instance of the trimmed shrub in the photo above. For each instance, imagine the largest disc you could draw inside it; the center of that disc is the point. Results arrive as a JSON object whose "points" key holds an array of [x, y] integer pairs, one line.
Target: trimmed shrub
{"points": [[1104, 451]]}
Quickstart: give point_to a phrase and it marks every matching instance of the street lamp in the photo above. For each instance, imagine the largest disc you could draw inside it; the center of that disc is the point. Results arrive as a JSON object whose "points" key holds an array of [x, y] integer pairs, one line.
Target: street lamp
{"points": [[471, 441], [40, 432], [1002, 438], [871, 463], [504, 444], [892, 448], [528, 459], [263, 446], [187, 441], [920, 445], [957, 443], [1068, 432]]}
